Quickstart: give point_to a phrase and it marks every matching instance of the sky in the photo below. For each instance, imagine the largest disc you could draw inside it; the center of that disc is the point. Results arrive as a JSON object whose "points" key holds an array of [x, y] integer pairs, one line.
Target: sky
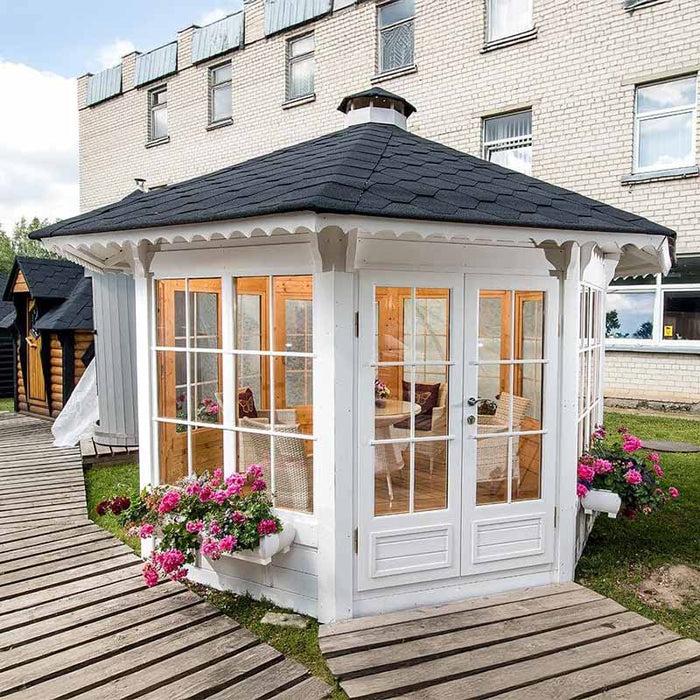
{"points": [[44, 46]]}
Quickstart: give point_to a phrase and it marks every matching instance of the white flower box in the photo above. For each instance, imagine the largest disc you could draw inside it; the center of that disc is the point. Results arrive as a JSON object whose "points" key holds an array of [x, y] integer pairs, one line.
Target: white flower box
{"points": [[601, 501]]}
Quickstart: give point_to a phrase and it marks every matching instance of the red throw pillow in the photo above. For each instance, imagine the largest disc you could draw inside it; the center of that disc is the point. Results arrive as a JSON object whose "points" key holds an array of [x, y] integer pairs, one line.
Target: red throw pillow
{"points": [[426, 396], [246, 404]]}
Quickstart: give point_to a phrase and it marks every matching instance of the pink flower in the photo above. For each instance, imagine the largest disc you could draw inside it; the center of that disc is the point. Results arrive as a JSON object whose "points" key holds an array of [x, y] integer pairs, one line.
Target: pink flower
{"points": [[602, 466], [236, 480], [267, 527], [646, 510], [150, 574], [255, 471], [258, 485], [170, 560], [233, 490], [192, 489], [239, 518], [205, 493], [179, 574], [169, 501], [585, 472], [194, 526], [632, 476], [146, 530], [220, 496], [210, 548], [654, 457], [228, 543], [214, 528], [630, 443], [658, 471], [599, 433], [673, 492], [581, 490]]}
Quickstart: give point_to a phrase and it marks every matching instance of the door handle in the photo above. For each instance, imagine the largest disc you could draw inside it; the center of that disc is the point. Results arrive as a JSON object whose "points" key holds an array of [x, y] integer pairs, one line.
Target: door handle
{"points": [[471, 420]]}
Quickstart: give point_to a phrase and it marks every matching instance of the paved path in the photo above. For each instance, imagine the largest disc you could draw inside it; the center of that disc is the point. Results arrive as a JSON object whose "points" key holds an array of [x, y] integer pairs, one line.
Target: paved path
{"points": [[549, 643], [76, 620]]}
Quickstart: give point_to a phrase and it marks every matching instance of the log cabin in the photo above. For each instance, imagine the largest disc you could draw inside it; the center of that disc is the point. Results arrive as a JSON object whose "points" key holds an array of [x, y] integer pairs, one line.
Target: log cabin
{"points": [[52, 328]]}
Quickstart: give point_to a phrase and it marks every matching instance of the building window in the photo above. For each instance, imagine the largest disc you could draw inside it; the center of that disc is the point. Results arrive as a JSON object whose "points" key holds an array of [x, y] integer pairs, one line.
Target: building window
{"points": [[654, 309], [396, 35], [158, 114], [665, 125], [508, 141], [220, 101], [263, 414], [508, 18], [300, 67]]}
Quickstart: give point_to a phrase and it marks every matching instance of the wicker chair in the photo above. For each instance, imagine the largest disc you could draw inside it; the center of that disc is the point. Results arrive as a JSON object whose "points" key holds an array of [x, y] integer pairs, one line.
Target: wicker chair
{"points": [[492, 453], [293, 468]]}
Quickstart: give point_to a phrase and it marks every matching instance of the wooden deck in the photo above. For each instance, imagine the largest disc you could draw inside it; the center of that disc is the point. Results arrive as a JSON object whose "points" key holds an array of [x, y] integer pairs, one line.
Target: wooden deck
{"points": [[95, 454], [549, 643], [76, 620]]}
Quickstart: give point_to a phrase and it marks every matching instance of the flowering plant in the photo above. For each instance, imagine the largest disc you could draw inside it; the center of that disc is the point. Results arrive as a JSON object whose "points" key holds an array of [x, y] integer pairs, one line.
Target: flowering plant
{"points": [[207, 411], [619, 465], [207, 513], [381, 390]]}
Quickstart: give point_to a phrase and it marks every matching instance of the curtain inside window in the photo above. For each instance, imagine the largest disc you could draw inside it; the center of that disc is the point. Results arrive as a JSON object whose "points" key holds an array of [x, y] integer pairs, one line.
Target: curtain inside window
{"points": [[509, 17], [511, 127]]}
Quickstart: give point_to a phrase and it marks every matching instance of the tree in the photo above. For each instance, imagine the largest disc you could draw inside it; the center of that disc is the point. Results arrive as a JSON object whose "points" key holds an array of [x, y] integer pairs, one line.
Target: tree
{"points": [[644, 331], [612, 324], [19, 243]]}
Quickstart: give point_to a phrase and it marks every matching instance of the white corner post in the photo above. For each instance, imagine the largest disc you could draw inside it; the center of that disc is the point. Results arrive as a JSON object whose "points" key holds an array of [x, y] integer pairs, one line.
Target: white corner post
{"points": [[334, 391], [568, 504]]}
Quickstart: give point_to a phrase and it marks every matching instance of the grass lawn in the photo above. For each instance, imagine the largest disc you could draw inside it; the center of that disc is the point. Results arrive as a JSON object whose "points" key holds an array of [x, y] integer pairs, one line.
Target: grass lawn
{"points": [[621, 554], [7, 404]]}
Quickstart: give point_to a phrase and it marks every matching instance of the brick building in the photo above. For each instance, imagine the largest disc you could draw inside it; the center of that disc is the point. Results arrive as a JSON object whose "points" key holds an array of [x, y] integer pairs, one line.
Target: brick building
{"points": [[594, 95]]}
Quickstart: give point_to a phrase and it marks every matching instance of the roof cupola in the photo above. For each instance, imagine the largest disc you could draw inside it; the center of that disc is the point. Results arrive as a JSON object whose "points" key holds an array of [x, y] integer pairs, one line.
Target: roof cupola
{"points": [[376, 106]]}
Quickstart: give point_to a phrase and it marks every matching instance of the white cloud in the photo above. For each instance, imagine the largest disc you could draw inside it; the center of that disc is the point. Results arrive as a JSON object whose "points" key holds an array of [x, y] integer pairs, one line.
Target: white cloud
{"points": [[38, 144], [111, 54], [212, 16]]}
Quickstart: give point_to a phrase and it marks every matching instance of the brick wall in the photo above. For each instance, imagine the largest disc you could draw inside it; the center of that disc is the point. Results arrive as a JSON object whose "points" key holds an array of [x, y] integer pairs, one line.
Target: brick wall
{"points": [[578, 75]]}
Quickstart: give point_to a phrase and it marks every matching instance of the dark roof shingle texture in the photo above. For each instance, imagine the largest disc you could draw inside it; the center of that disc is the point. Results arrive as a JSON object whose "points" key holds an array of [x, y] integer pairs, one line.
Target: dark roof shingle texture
{"points": [[369, 170], [74, 314]]}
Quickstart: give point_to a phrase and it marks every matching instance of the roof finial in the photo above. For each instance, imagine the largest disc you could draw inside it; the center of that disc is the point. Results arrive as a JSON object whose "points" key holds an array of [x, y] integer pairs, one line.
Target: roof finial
{"points": [[376, 106]]}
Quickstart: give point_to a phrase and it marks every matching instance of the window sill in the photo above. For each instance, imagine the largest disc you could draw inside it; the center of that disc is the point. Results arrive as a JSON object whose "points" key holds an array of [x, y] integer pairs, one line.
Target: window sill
{"points": [[675, 174], [220, 124], [391, 74], [157, 142], [510, 40], [677, 347], [632, 6], [298, 101]]}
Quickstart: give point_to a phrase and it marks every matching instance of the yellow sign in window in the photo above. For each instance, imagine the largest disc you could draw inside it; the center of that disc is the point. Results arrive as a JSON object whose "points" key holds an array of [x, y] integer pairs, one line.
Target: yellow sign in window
{"points": [[668, 331]]}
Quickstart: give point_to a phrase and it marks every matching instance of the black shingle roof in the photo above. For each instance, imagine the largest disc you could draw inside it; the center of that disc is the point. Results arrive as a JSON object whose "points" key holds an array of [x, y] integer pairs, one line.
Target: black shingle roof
{"points": [[7, 308], [46, 278], [75, 313], [367, 169]]}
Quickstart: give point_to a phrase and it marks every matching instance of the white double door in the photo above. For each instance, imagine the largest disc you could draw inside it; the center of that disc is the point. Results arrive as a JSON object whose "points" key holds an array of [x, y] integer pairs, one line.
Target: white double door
{"points": [[457, 463]]}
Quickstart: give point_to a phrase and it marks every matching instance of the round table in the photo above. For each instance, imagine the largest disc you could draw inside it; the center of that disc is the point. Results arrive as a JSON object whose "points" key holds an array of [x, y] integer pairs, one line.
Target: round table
{"points": [[388, 458]]}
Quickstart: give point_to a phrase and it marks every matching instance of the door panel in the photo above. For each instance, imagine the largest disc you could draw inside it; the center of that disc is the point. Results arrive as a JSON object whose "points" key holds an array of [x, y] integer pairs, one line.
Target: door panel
{"points": [[37, 384], [410, 431], [509, 473]]}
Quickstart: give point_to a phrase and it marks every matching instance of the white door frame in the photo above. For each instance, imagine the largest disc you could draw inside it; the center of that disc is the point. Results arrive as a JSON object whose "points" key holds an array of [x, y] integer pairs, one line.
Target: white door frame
{"points": [[412, 547], [502, 536]]}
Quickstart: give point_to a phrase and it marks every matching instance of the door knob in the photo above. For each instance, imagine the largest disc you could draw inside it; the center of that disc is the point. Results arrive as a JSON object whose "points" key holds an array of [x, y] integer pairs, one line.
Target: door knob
{"points": [[471, 420]]}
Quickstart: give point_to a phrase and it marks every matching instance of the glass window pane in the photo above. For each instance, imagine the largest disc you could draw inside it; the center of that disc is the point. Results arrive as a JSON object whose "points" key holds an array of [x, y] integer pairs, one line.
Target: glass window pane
{"points": [[393, 320], [666, 142], [682, 315], [492, 470], [529, 345], [172, 384], [396, 47], [518, 158], [170, 313], [298, 47], [159, 123], [430, 487], [527, 467], [172, 444], [395, 12], [207, 446], [221, 74], [221, 105], [206, 396], [509, 17], [668, 95], [517, 126], [205, 313], [629, 315], [494, 335], [391, 479], [301, 77], [685, 271]]}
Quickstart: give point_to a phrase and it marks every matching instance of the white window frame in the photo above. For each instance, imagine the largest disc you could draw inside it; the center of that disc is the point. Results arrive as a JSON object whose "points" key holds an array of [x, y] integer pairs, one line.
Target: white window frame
{"points": [[228, 375], [216, 87], [657, 340], [500, 144], [292, 60], [490, 39], [668, 112], [153, 108], [380, 39]]}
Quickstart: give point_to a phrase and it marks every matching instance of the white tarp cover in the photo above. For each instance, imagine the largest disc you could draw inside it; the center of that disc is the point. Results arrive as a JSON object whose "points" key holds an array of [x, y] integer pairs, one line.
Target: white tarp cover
{"points": [[80, 414]]}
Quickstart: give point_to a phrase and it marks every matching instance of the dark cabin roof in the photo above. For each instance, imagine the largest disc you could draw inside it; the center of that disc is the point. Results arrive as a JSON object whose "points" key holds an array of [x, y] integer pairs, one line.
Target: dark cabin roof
{"points": [[370, 170], [377, 92], [74, 314], [7, 308], [61, 286], [46, 278]]}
